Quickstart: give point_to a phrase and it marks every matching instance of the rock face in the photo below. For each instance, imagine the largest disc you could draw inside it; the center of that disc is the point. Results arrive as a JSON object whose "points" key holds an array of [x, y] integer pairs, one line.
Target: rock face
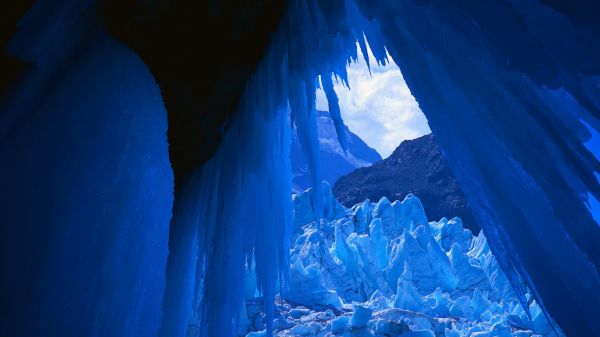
{"points": [[380, 269], [334, 162], [416, 166]]}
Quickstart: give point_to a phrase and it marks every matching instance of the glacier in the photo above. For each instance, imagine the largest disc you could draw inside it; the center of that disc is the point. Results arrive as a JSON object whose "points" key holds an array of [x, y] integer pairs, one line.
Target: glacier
{"points": [[499, 126], [515, 152], [105, 233], [409, 278]]}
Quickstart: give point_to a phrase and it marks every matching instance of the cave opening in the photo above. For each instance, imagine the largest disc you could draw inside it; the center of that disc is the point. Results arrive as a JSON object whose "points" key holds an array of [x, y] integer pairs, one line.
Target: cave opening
{"points": [[372, 264], [380, 112], [145, 180]]}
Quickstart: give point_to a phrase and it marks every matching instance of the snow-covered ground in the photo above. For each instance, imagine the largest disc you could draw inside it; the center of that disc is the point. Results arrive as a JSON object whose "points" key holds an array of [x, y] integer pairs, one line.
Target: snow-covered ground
{"points": [[381, 269]]}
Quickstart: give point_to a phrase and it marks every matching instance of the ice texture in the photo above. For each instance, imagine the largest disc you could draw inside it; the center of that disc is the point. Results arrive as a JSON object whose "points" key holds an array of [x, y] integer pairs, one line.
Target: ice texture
{"points": [[213, 241], [513, 142], [510, 89], [506, 102], [385, 284], [86, 190]]}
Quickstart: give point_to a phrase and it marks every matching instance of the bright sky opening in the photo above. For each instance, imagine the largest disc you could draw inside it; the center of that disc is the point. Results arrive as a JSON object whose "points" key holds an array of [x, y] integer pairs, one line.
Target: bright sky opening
{"points": [[379, 108]]}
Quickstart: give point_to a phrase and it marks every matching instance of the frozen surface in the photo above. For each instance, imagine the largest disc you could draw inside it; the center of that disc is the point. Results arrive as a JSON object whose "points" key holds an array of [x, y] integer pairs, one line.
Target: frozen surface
{"points": [[513, 141], [509, 127], [86, 194], [86, 191], [412, 278]]}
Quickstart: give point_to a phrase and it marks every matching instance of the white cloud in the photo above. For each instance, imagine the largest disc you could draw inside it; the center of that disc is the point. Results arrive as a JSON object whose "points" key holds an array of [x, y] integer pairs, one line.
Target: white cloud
{"points": [[379, 108]]}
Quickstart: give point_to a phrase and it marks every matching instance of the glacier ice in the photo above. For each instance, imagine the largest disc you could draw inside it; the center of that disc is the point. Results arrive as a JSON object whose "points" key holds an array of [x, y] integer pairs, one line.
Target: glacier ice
{"points": [[407, 295], [519, 159], [360, 316], [377, 284], [521, 167], [510, 89], [100, 231]]}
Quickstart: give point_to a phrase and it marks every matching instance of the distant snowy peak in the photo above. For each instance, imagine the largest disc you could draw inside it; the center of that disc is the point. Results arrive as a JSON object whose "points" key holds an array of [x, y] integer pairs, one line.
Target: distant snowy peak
{"points": [[334, 161], [359, 153]]}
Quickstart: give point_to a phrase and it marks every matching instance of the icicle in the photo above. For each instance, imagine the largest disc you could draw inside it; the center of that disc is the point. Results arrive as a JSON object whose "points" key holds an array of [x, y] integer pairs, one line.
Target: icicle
{"points": [[302, 103], [334, 110], [521, 168], [365, 51]]}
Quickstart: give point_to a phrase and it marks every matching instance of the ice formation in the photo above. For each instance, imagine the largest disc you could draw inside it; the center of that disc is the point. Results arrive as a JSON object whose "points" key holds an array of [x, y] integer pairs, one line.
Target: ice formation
{"points": [[410, 278], [85, 227], [510, 127], [508, 87]]}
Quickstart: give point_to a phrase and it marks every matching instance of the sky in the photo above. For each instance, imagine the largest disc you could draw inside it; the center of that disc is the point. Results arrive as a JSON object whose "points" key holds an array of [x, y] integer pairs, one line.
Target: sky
{"points": [[379, 108]]}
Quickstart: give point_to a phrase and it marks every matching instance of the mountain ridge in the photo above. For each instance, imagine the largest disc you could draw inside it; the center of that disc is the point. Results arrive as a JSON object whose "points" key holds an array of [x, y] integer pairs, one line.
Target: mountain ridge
{"points": [[334, 161], [416, 166]]}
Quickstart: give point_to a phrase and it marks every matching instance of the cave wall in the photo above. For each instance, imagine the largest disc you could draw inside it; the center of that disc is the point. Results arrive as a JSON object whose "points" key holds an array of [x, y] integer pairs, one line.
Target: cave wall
{"points": [[202, 53], [496, 82], [86, 191], [90, 168]]}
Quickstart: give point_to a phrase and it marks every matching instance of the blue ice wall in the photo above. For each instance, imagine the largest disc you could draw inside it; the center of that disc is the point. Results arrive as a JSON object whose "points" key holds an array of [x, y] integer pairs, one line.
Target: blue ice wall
{"points": [[86, 187], [593, 145], [486, 75], [234, 210], [480, 73]]}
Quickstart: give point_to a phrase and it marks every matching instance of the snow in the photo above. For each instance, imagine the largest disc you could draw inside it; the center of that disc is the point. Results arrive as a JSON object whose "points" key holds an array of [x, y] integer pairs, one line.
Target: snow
{"points": [[335, 160]]}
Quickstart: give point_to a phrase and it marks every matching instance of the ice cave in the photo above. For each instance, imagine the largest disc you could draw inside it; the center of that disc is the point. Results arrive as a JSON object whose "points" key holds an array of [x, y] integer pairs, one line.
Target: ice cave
{"points": [[187, 168]]}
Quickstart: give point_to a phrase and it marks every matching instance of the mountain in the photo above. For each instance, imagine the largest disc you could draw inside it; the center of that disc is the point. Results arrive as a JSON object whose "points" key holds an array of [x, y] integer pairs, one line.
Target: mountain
{"points": [[334, 162], [416, 166]]}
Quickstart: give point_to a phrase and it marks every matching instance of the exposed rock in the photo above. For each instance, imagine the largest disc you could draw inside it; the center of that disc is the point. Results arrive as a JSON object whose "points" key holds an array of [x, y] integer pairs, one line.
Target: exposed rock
{"points": [[416, 166]]}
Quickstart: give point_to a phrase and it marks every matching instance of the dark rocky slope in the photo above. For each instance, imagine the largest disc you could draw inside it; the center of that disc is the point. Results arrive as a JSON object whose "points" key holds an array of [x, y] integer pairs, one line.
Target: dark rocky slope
{"points": [[416, 166]]}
